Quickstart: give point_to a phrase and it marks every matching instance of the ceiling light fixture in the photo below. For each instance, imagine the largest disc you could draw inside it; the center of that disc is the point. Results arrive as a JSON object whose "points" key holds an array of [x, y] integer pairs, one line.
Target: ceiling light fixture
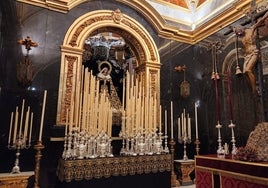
{"points": [[192, 4]]}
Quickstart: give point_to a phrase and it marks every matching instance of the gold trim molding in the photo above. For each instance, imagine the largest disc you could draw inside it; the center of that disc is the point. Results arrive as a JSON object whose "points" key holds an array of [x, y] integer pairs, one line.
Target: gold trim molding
{"points": [[164, 29]]}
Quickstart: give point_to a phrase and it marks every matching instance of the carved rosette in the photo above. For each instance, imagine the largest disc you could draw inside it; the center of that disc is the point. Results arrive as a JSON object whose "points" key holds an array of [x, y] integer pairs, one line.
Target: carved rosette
{"points": [[117, 16]]}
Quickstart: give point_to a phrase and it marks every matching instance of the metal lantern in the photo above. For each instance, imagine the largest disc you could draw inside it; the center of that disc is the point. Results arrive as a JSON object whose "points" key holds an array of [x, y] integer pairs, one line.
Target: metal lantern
{"points": [[185, 85], [185, 89]]}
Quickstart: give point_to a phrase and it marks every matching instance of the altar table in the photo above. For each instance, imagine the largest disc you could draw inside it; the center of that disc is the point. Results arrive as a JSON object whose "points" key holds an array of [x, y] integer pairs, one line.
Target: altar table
{"points": [[213, 172], [18, 180], [121, 172], [185, 167]]}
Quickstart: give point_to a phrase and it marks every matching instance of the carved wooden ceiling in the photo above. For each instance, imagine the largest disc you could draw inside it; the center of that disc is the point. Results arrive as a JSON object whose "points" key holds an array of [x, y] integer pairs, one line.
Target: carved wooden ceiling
{"points": [[187, 21]]}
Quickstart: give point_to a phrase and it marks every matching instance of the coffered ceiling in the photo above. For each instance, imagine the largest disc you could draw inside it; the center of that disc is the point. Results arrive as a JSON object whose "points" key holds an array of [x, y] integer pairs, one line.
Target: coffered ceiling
{"points": [[187, 21]]}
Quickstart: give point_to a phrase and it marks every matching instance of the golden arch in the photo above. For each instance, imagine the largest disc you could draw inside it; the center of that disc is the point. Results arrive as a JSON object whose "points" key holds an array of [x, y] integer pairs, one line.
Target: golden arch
{"points": [[148, 65]]}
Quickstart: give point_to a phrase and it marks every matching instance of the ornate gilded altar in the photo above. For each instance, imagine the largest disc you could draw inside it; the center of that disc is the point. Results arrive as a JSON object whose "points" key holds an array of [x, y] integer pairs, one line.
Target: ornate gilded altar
{"points": [[88, 169], [146, 66], [20, 180]]}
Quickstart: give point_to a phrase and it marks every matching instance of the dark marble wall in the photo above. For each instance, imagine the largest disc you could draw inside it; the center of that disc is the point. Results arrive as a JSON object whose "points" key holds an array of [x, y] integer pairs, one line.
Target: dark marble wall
{"points": [[48, 29]]}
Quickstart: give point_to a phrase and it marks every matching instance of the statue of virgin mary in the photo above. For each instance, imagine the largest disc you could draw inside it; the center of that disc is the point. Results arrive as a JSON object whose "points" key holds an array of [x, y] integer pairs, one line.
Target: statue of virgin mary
{"points": [[106, 84]]}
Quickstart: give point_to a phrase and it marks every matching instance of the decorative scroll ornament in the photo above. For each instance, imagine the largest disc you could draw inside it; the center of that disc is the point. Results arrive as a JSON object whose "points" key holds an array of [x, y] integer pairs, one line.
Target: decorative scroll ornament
{"points": [[185, 85], [117, 16], [25, 68]]}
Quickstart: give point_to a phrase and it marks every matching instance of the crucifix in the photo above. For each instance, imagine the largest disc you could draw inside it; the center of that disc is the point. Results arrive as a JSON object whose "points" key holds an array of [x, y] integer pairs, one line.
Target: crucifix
{"points": [[25, 68], [28, 43]]}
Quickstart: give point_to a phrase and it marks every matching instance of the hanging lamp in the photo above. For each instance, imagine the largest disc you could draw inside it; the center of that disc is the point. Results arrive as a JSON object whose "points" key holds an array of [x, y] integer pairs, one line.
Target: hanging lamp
{"points": [[185, 85]]}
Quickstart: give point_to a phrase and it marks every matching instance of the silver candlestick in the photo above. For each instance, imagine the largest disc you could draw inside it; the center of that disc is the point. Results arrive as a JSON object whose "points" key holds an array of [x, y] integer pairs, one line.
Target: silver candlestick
{"points": [[185, 139], [166, 150], [220, 150], [19, 144], [234, 149]]}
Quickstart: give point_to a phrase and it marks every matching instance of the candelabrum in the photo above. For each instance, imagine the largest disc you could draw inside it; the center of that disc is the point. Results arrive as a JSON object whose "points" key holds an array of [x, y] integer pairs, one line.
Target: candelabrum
{"points": [[184, 139], [142, 143], [220, 150], [19, 144], [234, 149], [166, 150], [38, 147], [81, 145]]}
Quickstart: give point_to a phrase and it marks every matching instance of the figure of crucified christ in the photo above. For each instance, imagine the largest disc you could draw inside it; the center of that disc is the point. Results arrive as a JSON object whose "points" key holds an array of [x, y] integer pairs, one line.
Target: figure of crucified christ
{"points": [[249, 38]]}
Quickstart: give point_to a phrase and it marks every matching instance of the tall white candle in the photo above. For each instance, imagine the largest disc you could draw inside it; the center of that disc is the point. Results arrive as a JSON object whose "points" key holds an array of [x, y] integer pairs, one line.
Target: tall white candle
{"points": [[21, 117], [196, 125], [67, 120], [25, 133], [31, 127], [42, 115], [171, 119], [182, 121], [124, 90], [184, 125], [10, 128], [160, 119], [165, 122], [179, 128], [15, 126], [189, 127]]}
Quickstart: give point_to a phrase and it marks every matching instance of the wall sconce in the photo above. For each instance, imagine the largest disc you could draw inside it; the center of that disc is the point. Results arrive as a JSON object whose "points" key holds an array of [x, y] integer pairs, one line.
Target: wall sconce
{"points": [[185, 85]]}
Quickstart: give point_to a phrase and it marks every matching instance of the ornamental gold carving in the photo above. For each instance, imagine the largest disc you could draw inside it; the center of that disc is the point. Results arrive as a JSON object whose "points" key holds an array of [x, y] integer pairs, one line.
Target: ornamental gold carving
{"points": [[145, 38], [153, 74], [117, 17], [14, 184], [69, 83], [141, 44]]}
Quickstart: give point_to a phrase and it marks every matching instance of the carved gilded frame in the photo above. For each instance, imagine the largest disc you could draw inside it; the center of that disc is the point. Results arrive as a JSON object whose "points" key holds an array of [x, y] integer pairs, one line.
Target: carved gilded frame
{"points": [[148, 61]]}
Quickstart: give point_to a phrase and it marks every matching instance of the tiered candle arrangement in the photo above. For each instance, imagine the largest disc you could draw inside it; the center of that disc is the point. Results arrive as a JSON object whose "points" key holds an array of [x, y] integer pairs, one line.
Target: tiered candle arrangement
{"points": [[20, 132], [141, 121], [89, 126], [184, 131]]}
